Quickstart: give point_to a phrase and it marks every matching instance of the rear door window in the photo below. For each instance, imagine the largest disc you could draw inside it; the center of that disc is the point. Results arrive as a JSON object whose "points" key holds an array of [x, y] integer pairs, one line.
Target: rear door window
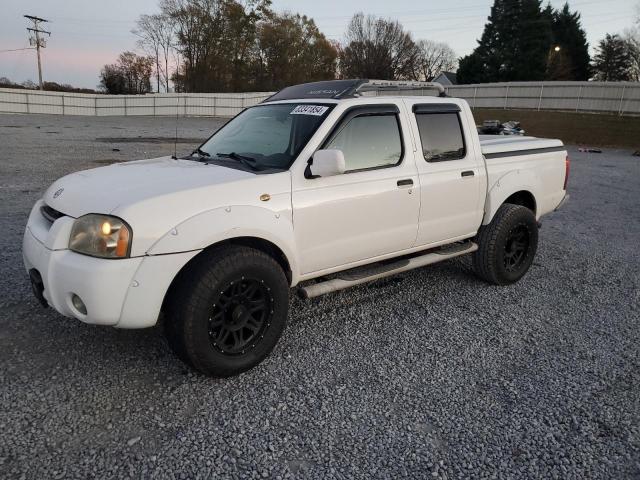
{"points": [[441, 136]]}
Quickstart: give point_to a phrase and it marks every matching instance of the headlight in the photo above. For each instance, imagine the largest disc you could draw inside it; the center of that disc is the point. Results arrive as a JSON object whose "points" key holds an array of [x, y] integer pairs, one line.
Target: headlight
{"points": [[100, 236]]}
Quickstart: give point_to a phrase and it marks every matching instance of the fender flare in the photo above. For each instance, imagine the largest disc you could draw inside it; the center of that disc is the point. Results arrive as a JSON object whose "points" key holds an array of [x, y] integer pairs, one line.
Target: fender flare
{"points": [[228, 223], [508, 184]]}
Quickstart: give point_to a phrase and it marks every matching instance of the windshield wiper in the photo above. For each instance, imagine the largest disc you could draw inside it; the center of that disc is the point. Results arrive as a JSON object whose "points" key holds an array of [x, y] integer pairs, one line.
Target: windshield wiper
{"points": [[201, 152], [246, 161]]}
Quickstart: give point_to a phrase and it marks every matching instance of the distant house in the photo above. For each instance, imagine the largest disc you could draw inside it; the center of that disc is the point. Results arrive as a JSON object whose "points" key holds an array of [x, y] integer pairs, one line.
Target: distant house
{"points": [[446, 78]]}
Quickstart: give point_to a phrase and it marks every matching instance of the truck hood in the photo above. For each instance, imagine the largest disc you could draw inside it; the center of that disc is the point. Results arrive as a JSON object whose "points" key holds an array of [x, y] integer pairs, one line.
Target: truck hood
{"points": [[104, 189], [155, 196]]}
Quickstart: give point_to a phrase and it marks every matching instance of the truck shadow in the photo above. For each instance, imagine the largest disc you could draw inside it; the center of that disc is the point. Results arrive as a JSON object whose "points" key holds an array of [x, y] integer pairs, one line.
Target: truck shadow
{"points": [[47, 342]]}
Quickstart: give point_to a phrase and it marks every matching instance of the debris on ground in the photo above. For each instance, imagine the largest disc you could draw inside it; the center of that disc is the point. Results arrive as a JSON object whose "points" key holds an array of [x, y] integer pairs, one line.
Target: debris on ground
{"points": [[132, 441], [589, 150]]}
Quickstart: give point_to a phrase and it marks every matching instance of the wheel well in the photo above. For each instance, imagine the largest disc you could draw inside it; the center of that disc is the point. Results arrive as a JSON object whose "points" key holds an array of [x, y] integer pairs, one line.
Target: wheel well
{"points": [[261, 244], [258, 243], [523, 198]]}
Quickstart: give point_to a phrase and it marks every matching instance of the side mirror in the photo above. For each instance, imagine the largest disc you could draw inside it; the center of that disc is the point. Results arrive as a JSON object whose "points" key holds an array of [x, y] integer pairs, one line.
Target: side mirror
{"points": [[327, 163]]}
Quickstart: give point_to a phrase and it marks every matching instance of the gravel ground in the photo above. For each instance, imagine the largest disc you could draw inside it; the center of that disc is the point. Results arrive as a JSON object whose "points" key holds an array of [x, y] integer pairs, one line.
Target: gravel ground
{"points": [[429, 374]]}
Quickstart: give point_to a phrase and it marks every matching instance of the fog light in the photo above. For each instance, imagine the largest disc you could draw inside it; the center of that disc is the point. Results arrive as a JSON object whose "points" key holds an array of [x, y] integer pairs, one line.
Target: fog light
{"points": [[78, 304]]}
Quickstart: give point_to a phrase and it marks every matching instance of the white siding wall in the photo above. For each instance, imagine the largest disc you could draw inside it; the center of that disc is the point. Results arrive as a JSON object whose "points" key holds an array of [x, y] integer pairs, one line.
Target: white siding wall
{"points": [[59, 103], [621, 98]]}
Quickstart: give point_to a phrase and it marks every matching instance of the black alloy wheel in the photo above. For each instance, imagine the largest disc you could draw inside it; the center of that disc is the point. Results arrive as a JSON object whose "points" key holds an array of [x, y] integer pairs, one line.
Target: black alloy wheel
{"points": [[516, 247], [507, 245], [241, 314], [227, 310]]}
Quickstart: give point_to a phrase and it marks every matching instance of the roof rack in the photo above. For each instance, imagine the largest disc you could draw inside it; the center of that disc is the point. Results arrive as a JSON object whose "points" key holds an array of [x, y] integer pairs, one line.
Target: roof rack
{"points": [[396, 85], [340, 89]]}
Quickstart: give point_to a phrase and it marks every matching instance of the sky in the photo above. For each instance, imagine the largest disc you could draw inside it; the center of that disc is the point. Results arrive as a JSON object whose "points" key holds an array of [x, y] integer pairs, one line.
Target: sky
{"points": [[85, 36]]}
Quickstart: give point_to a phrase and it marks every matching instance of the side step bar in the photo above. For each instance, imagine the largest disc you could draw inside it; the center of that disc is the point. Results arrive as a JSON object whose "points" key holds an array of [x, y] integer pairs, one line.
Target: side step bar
{"points": [[347, 279]]}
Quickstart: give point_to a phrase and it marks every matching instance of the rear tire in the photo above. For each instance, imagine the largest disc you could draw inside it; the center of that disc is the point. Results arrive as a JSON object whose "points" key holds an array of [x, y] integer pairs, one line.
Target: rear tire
{"points": [[507, 245], [228, 310]]}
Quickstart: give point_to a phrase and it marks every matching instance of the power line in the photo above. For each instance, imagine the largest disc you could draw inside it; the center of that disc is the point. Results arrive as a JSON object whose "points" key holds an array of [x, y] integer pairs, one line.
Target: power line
{"points": [[37, 41], [17, 49], [452, 10]]}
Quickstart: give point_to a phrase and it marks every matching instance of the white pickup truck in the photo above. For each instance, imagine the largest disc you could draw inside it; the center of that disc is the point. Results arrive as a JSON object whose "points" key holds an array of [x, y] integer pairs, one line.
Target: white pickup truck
{"points": [[320, 187]]}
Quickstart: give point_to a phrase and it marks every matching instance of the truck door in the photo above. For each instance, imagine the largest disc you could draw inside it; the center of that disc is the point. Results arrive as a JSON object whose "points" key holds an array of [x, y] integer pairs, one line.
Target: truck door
{"points": [[452, 174], [370, 210]]}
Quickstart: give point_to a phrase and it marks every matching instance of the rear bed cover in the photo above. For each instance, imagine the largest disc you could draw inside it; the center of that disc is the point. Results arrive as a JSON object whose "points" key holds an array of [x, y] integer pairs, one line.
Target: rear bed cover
{"points": [[494, 145]]}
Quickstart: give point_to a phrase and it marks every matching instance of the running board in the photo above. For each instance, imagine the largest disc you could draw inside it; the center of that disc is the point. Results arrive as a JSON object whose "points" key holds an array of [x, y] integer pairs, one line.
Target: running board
{"points": [[360, 275]]}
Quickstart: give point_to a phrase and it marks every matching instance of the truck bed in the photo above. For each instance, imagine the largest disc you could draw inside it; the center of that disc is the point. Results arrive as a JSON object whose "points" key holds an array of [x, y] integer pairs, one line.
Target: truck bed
{"points": [[501, 144]]}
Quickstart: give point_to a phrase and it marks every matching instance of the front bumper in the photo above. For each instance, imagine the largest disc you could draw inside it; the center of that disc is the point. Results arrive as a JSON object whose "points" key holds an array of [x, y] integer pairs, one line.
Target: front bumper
{"points": [[126, 293]]}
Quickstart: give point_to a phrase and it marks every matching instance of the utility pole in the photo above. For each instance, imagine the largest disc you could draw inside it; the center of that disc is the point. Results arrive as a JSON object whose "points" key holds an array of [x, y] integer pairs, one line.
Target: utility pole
{"points": [[37, 41]]}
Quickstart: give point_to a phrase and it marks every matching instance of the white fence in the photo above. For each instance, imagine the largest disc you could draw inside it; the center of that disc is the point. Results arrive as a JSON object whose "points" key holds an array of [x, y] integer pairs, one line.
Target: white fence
{"points": [[621, 98], [193, 104]]}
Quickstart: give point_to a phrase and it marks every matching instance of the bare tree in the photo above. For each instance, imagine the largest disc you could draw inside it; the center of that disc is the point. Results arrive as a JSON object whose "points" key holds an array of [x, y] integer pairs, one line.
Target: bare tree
{"points": [[378, 48], [433, 59], [632, 38], [156, 37]]}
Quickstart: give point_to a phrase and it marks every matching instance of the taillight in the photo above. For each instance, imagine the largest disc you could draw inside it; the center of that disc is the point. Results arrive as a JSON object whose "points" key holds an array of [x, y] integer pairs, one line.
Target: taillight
{"points": [[567, 164]]}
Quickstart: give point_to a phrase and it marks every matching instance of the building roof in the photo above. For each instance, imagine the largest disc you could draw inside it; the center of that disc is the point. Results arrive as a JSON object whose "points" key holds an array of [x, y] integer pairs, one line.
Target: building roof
{"points": [[447, 78]]}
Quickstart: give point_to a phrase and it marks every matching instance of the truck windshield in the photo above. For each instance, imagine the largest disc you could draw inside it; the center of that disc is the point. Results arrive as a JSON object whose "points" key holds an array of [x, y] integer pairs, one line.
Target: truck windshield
{"points": [[265, 137]]}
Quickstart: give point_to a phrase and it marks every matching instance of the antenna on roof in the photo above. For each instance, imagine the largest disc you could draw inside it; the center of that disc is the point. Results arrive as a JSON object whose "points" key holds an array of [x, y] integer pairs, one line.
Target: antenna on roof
{"points": [[175, 140]]}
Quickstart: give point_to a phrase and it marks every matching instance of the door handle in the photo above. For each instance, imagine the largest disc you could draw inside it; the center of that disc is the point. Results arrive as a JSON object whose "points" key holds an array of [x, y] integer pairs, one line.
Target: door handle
{"points": [[467, 173], [405, 183]]}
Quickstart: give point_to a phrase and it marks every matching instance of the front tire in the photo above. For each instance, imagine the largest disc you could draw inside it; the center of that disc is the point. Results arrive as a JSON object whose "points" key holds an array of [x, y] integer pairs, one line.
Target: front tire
{"points": [[228, 310], [507, 246]]}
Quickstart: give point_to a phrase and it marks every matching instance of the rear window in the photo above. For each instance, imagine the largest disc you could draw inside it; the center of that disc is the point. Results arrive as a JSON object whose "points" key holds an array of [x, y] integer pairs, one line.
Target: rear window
{"points": [[441, 136]]}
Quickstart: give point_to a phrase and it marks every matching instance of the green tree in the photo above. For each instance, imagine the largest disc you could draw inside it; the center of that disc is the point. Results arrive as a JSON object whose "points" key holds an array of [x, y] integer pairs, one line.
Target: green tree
{"points": [[573, 57], [232, 46], [514, 45], [215, 39], [559, 65], [633, 44], [131, 74], [290, 50], [613, 60]]}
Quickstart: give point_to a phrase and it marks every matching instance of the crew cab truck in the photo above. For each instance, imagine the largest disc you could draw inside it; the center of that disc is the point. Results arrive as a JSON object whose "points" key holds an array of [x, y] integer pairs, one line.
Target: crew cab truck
{"points": [[320, 187]]}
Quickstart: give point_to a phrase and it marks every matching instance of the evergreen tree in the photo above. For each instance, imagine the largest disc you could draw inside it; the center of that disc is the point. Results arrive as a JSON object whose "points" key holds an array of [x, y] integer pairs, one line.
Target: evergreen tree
{"points": [[514, 45], [572, 62], [559, 66], [612, 62], [533, 42]]}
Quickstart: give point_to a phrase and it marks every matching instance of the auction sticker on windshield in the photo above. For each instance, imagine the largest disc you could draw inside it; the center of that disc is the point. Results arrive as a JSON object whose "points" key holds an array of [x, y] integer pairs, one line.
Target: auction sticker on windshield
{"points": [[317, 110]]}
